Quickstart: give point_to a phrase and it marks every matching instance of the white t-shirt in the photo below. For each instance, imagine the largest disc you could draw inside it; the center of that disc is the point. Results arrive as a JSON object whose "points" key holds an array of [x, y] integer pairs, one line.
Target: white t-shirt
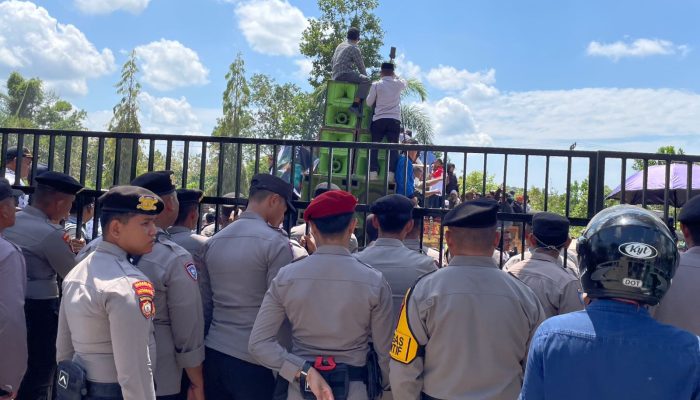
{"points": [[387, 94], [10, 176]]}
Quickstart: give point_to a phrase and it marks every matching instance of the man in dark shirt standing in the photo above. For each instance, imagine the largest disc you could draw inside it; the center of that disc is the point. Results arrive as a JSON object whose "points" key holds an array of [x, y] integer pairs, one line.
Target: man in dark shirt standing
{"points": [[348, 66]]}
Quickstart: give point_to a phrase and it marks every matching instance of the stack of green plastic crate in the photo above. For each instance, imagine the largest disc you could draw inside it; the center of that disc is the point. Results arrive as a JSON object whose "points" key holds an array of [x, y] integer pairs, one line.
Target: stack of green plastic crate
{"points": [[339, 165], [362, 158]]}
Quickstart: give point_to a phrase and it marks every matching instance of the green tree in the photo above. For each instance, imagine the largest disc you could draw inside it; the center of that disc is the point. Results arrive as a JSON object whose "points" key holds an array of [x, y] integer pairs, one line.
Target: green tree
{"points": [[24, 97], [639, 164], [324, 33], [235, 122], [125, 119], [475, 182]]}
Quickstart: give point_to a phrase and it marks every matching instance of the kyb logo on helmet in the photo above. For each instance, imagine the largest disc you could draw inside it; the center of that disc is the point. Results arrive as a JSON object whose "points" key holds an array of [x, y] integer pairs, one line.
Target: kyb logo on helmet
{"points": [[638, 250]]}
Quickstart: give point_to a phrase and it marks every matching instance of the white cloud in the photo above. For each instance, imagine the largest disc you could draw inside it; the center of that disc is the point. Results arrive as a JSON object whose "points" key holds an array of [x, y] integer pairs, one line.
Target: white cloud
{"points": [[638, 48], [469, 85], [407, 69], [304, 66], [168, 64], [454, 123], [272, 27], [168, 115], [36, 44], [109, 6], [593, 117]]}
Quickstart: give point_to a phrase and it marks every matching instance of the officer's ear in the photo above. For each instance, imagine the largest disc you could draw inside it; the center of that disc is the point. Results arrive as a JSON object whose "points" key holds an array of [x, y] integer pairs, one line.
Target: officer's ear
{"points": [[408, 227], [496, 238], [353, 224]]}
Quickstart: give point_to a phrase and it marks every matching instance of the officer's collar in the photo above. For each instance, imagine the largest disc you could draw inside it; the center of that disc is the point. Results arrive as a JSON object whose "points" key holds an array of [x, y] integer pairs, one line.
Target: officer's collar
{"points": [[543, 255], [111, 248], [332, 249], [473, 261], [692, 250], [31, 210], [178, 229], [251, 215], [391, 242], [413, 244]]}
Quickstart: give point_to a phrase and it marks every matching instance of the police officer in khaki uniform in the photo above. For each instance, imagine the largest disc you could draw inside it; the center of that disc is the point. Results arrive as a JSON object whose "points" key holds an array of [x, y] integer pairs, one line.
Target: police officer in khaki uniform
{"points": [[399, 265], [299, 231], [38, 233], [179, 319], [336, 305], [680, 305], [182, 233], [105, 322], [13, 282], [558, 290], [242, 259], [464, 330]]}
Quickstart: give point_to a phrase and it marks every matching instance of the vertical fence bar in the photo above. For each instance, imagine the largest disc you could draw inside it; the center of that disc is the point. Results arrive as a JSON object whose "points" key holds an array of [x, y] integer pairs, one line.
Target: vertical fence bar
{"points": [[134, 158], [117, 161], [483, 183], [645, 176], [567, 206], [203, 168], [330, 165], [464, 176], [100, 162], [151, 154], [185, 163], [35, 152], [623, 179], [598, 183], [52, 148], [83, 158], [689, 182], [3, 150], [67, 154], [18, 162], [256, 169], [168, 154], [219, 182], [274, 161], [546, 182], [239, 166], [522, 232], [667, 183]]}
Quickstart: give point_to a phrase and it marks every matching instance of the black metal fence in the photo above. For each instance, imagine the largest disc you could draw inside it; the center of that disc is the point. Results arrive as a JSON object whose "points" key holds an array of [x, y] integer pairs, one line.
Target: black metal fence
{"points": [[223, 166]]}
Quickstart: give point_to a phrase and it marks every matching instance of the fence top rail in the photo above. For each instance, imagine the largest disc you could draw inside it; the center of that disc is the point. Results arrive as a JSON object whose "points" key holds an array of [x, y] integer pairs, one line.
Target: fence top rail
{"points": [[306, 143], [650, 156]]}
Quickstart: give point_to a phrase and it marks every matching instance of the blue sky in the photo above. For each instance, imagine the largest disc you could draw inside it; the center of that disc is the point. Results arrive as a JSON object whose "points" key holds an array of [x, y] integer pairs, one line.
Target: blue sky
{"points": [[609, 75]]}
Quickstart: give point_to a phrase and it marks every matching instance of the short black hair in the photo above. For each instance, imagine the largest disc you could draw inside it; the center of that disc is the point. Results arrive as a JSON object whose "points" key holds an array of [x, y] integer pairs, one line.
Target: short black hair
{"points": [[333, 225], [393, 222], [353, 33], [257, 195], [209, 217], [107, 217], [184, 211]]}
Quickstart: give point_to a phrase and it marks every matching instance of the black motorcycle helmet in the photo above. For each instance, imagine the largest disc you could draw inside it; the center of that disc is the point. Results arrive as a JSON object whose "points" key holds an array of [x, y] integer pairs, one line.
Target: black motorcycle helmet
{"points": [[627, 252]]}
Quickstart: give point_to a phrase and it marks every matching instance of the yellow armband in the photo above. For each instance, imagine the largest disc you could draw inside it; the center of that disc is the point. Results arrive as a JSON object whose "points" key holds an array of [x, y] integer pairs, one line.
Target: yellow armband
{"points": [[404, 346]]}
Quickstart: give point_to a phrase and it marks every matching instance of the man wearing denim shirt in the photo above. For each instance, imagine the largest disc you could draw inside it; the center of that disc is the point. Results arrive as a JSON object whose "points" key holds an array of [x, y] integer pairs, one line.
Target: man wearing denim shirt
{"points": [[614, 349]]}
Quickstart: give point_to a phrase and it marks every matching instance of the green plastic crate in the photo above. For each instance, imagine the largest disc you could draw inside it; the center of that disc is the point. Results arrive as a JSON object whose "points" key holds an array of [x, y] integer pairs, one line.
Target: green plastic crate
{"points": [[367, 113], [339, 165], [340, 91], [362, 158], [336, 136]]}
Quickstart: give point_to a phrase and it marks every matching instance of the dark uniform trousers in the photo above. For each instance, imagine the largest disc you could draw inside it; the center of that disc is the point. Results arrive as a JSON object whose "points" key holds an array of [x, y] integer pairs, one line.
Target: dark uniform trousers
{"points": [[42, 329], [390, 129], [229, 378]]}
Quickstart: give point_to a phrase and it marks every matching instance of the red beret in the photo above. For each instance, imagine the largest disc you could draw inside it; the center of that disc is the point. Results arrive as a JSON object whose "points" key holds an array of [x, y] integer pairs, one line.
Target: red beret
{"points": [[334, 202]]}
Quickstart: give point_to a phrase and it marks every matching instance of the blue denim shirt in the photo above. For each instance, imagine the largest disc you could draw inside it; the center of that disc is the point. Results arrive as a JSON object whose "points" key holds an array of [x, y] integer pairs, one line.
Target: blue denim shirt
{"points": [[404, 174], [611, 350]]}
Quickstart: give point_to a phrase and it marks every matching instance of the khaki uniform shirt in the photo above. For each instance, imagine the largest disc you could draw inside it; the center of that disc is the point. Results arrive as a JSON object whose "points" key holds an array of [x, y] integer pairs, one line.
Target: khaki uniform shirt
{"points": [[679, 307], [242, 259], [45, 252], [571, 262], [105, 326], [557, 289], [399, 265], [13, 327], [179, 320], [414, 244], [300, 230], [335, 304], [476, 323], [194, 244]]}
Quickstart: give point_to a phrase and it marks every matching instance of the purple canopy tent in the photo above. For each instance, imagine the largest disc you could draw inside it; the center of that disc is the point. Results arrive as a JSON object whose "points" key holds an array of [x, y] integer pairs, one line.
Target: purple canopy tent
{"points": [[656, 182]]}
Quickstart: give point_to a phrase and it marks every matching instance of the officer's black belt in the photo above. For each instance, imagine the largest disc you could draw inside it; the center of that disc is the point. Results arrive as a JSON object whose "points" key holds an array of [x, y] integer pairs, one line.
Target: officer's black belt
{"points": [[104, 389], [424, 396]]}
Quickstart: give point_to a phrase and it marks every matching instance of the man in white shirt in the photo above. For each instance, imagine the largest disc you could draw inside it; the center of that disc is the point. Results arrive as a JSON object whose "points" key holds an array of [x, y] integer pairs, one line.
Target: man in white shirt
{"points": [[385, 95], [25, 166]]}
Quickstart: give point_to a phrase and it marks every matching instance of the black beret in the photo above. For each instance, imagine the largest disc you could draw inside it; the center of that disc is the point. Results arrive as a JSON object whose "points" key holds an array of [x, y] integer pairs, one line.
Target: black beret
{"points": [[690, 213], [187, 196], [131, 199], [392, 204], [158, 182], [276, 185], [387, 66], [322, 188], [550, 229], [480, 213], [13, 153], [60, 182], [6, 190]]}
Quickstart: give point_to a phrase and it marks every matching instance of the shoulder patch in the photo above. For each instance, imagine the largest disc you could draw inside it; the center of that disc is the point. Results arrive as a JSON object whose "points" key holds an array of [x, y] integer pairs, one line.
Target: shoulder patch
{"points": [[145, 292], [191, 271]]}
